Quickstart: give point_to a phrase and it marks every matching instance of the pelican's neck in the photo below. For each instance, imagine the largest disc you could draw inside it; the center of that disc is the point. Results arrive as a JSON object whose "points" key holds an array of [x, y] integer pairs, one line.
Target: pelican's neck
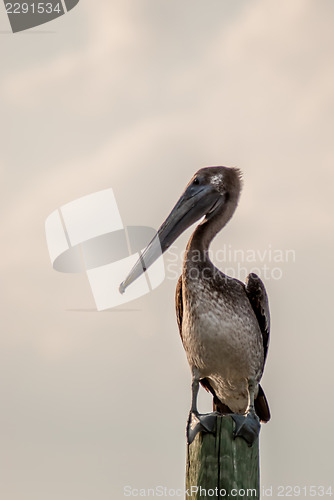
{"points": [[198, 246]]}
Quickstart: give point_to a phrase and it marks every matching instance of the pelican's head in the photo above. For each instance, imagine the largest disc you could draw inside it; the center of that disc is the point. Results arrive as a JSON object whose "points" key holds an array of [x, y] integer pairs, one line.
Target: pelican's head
{"points": [[212, 191]]}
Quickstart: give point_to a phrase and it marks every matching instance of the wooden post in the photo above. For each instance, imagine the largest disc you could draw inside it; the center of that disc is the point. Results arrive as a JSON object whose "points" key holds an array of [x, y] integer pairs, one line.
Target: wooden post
{"points": [[220, 463]]}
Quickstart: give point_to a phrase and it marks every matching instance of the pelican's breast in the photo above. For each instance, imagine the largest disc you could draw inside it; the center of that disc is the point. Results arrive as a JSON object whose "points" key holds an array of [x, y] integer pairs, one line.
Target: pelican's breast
{"points": [[221, 335]]}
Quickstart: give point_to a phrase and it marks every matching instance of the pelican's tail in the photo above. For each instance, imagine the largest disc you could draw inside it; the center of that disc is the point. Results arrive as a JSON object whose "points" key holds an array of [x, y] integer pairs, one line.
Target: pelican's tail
{"points": [[260, 403], [261, 406]]}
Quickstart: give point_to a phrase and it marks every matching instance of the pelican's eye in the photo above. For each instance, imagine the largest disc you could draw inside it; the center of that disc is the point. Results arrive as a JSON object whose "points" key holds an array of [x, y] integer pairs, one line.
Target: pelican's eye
{"points": [[196, 181]]}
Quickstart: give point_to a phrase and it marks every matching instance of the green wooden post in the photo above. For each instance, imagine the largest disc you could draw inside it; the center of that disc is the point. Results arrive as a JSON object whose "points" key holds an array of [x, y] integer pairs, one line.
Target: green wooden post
{"points": [[219, 463]]}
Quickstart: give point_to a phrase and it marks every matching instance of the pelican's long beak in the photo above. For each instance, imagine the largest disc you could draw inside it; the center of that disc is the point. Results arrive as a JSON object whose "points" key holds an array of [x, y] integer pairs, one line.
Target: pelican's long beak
{"points": [[196, 201]]}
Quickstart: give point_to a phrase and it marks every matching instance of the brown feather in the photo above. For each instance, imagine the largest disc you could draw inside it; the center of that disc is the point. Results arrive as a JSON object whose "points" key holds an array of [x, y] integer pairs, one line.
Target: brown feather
{"points": [[255, 291]]}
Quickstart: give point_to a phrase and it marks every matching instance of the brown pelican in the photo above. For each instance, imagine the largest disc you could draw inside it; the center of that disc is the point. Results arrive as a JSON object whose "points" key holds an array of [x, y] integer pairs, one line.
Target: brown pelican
{"points": [[224, 324]]}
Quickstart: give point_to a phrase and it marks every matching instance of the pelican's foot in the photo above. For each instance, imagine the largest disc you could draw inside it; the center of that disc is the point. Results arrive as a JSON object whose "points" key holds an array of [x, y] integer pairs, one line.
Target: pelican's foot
{"points": [[247, 426], [200, 423]]}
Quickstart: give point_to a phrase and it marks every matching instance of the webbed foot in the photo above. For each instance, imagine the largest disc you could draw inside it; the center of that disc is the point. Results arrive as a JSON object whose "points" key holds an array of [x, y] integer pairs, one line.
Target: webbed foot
{"points": [[247, 426], [200, 423]]}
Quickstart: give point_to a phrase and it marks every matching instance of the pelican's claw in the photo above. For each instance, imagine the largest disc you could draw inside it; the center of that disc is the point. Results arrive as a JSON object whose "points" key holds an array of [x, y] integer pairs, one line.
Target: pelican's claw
{"points": [[247, 426], [200, 423]]}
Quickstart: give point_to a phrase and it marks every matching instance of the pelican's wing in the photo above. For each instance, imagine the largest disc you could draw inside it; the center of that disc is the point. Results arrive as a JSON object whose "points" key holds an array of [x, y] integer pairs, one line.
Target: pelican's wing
{"points": [[179, 304], [258, 298]]}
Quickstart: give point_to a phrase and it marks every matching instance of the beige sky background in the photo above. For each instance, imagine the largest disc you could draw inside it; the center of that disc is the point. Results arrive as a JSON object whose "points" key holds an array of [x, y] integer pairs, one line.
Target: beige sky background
{"points": [[137, 95]]}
